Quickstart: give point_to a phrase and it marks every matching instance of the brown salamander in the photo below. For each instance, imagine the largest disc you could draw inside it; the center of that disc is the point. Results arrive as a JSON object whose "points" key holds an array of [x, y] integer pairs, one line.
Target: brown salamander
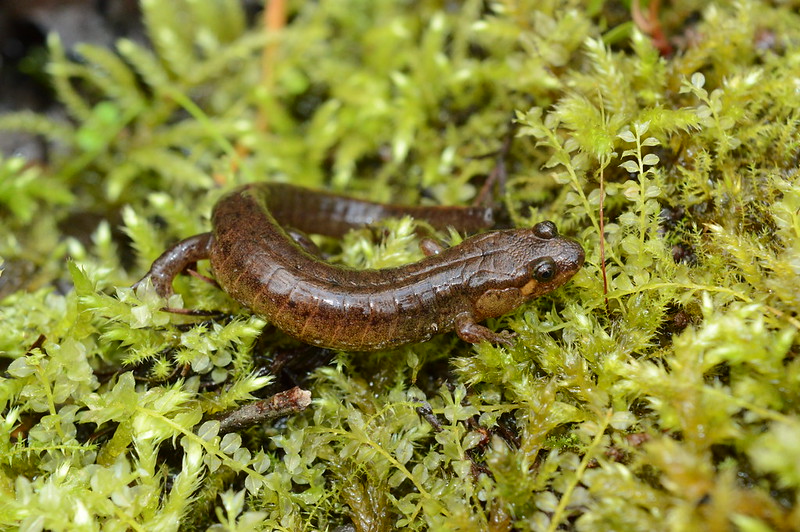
{"points": [[257, 261]]}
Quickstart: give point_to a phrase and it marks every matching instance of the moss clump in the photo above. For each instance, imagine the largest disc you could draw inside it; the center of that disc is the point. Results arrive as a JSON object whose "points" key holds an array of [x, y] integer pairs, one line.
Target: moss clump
{"points": [[668, 402]]}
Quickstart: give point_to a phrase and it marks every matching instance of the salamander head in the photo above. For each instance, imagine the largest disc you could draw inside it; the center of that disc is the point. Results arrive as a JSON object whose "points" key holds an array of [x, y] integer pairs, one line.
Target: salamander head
{"points": [[553, 260], [533, 262]]}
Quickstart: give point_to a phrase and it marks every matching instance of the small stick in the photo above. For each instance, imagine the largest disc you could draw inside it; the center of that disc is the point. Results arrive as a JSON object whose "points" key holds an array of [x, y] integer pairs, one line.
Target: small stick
{"points": [[274, 21], [202, 277], [651, 25], [498, 174], [36, 344], [192, 312], [281, 404], [425, 410]]}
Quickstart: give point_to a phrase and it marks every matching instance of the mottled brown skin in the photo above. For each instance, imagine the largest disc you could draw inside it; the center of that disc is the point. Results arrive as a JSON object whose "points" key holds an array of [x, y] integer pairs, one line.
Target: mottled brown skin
{"points": [[261, 266]]}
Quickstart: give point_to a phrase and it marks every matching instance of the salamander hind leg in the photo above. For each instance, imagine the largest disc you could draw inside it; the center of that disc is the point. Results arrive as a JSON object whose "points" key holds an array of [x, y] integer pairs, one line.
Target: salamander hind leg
{"points": [[470, 331], [174, 260]]}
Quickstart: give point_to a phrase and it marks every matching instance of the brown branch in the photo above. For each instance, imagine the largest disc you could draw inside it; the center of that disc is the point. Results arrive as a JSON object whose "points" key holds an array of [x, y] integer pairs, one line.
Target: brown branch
{"points": [[651, 25], [274, 20], [281, 404]]}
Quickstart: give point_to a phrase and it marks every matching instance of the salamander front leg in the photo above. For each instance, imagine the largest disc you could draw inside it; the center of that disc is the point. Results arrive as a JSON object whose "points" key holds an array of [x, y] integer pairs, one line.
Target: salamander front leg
{"points": [[470, 331], [302, 240], [174, 260]]}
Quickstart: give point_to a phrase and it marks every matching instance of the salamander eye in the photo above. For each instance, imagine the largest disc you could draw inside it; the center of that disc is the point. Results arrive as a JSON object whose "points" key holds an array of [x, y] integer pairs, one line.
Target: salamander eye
{"points": [[546, 230], [544, 270]]}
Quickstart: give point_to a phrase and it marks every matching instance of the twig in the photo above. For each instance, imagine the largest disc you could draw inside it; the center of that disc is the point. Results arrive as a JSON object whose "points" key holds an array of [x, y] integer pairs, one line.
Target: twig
{"points": [[425, 410], [651, 25], [281, 404], [274, 20], [603, 243], [498, 174]]}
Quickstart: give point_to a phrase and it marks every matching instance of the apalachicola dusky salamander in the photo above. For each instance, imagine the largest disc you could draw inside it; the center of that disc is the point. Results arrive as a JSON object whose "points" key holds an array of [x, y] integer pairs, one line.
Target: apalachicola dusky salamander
{"points": [[261, 265]]}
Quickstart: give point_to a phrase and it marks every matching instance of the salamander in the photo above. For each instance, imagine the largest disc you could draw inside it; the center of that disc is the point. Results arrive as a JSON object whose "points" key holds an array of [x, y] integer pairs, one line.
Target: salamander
{"points": [[257, 261]]}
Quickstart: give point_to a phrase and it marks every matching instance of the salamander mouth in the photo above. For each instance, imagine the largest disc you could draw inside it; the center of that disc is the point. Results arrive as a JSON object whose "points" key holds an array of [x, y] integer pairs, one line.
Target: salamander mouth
{"points": [[569, 258], [569, 261]]}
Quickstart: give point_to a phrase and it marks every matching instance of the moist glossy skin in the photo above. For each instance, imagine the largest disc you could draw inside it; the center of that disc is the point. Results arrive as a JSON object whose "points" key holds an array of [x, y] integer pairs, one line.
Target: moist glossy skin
{"points": [[260, 265]]}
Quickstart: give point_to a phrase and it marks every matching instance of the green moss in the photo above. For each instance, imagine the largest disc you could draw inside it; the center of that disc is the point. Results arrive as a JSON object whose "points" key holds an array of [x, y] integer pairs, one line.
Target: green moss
{"points": [[667, 403]]}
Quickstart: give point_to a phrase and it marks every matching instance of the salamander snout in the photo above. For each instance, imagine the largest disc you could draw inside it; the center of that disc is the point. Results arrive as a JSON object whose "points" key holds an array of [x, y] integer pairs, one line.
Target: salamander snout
{"points": [[553, 260], [569, 256]]}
